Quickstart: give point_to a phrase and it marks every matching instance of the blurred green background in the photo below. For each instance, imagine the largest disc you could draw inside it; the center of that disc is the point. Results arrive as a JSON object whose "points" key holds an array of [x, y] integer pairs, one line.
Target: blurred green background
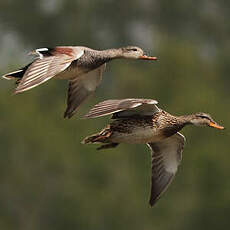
{"points": [[48, 180]]}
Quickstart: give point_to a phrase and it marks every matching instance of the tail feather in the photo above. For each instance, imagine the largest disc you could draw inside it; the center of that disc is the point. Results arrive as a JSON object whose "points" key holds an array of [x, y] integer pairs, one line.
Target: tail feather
{"points": [[101, 137], [108, 146], [90, 139], [18, 74], [14, 75]]}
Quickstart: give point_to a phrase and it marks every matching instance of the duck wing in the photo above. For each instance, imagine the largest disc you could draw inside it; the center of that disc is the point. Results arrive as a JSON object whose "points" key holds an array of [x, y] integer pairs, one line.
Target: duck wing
{"points": [[124, 108], [166, 156], [50, 62], [81, 87]]}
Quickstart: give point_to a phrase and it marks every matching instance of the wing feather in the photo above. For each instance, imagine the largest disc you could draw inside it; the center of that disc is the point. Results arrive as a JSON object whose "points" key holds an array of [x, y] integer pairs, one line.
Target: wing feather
{"points": [[166, 156], [124, 108], [47, 66], [80, 88]]}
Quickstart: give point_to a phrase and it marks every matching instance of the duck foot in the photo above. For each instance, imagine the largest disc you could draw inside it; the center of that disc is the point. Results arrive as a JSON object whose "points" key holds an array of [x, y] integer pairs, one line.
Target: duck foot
{"points": [[108, 146]]}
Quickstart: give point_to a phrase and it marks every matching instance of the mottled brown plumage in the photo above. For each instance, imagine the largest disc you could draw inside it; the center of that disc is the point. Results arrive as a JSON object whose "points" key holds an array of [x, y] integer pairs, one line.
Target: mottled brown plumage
{"points": [[140, 121]]}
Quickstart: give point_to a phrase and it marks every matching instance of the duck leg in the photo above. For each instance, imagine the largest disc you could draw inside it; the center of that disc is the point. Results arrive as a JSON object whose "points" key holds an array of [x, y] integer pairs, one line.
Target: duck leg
{"points": [[108, 146]]}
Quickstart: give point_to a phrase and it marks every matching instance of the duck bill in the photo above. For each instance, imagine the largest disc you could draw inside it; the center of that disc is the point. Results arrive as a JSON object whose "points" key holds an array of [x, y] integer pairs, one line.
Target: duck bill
{"points": [[145, 57], [214, 125]]}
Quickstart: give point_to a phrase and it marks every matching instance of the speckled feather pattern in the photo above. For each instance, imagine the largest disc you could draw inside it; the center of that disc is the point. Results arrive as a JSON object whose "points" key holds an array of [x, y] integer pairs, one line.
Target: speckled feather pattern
{"points": [[140, 129], [135, 124], [90, 60]]}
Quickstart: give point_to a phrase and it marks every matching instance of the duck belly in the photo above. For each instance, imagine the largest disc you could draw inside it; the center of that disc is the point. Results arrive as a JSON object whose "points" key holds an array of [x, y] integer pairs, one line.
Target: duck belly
{"points": [[69, 73], [137, 136]]}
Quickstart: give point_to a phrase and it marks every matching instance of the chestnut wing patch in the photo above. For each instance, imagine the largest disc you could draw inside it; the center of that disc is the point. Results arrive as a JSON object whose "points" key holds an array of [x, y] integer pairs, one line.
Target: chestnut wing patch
{"points": [[47, 66]]}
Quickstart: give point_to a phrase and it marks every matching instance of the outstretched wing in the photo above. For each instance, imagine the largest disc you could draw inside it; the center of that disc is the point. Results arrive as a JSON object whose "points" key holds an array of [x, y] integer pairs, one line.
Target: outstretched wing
{"points": [[50, 63], [124, 108], [166, 156], [80, 88]]}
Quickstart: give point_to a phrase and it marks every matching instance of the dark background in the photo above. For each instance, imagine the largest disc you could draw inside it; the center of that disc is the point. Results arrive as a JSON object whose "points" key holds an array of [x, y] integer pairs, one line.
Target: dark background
{"points": [[48, 180]]}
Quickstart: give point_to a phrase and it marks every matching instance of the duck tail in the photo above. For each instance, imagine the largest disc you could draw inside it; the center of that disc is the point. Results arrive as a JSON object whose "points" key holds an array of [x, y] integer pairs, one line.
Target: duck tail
{"points": [[90, 139], [101, 137], [16, 75]]}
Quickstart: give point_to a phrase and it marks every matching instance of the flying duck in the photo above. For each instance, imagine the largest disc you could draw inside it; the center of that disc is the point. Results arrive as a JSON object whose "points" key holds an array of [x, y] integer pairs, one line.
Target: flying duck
{"points": [[140, 121], [81, 66]]}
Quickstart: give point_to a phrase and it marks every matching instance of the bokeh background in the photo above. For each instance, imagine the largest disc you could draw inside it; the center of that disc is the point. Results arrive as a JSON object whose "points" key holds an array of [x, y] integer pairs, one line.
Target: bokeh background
{"points": [[48, 180]]}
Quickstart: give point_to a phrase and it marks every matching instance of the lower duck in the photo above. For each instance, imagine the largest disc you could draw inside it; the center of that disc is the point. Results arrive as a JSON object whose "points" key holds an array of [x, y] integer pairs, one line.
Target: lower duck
{"points": [[140, 121]]}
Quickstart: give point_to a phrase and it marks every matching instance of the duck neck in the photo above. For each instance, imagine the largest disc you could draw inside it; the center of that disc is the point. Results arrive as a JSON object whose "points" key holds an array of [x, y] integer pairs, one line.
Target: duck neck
{"points": [[170, 124], [186, 119], [110, 54]]}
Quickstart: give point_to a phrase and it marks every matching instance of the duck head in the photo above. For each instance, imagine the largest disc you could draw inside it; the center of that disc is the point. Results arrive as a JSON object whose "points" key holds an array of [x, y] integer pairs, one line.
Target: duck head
{"points": [[134, 52], [204, 119]]}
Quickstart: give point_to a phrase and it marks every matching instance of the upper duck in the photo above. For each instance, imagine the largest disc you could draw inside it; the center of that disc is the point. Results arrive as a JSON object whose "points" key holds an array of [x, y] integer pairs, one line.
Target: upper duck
{"points": [[141, 121], [82, 66]]}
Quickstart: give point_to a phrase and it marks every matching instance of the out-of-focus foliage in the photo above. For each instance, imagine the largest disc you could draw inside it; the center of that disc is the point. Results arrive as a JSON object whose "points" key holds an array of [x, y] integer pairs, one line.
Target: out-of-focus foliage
{"points": [[50, 181]]}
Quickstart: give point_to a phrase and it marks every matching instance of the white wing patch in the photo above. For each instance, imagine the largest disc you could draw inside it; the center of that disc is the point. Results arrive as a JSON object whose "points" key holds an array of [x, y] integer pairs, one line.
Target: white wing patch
{"points": [[37, 51]]}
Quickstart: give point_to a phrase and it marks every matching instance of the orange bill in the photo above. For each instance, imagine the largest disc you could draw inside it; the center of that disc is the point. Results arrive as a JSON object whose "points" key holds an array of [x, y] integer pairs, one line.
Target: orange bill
{"points": [[214, 125], [145, 57]]}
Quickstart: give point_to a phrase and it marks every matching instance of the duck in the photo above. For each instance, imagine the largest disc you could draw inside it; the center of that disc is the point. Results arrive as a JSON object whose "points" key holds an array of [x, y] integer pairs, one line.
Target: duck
{"points": [[141, 121], [81, 66]]}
